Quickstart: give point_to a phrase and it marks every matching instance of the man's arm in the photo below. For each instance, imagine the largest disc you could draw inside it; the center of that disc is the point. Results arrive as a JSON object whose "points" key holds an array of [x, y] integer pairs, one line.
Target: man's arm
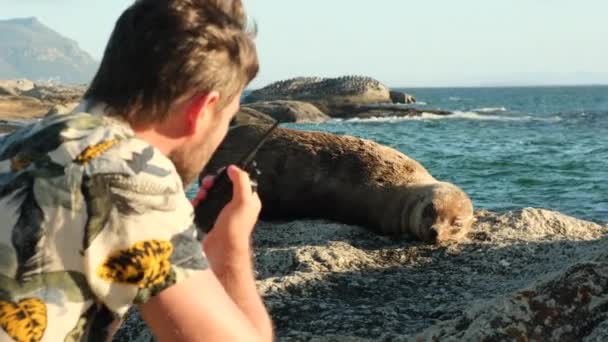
{"points": [[197, 309], [222, 303]]}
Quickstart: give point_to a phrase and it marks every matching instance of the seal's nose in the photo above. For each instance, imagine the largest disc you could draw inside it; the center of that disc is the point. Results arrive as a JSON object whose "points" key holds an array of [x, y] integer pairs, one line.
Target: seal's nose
{"points": [[433, 233]]}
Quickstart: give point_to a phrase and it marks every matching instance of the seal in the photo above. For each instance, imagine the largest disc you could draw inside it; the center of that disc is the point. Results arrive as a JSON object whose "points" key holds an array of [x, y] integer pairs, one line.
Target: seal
{"points": [[351, 180]]}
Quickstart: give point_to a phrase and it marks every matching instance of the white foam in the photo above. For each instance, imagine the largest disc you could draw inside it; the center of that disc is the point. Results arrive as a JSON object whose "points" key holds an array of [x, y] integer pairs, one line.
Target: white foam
{"points": [[458, 115], [490, 110]]}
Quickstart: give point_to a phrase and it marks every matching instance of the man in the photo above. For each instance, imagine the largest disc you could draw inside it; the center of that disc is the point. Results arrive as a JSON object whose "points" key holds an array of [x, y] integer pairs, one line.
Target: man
{"points": [[93, 215]]}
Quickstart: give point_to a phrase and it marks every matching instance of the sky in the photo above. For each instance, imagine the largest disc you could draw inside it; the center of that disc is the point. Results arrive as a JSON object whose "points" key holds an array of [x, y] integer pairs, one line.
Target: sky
{"points": [[424, 43]]}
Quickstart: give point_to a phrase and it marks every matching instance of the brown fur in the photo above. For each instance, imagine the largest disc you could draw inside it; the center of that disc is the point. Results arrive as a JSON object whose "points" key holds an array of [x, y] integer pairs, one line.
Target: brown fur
{"points": [[350, 180]]}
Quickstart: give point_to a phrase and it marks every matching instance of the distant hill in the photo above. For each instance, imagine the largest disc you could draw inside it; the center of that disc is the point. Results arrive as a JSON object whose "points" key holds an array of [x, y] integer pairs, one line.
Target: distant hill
{"points": [[29, 49]]}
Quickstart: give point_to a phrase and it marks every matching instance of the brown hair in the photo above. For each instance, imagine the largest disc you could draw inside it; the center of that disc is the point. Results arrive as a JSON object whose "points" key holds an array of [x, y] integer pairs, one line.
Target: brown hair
{"points": [[164, 51]]}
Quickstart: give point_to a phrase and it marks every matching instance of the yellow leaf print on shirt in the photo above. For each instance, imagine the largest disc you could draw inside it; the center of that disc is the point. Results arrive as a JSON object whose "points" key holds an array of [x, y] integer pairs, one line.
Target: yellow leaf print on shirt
{"points": [[144, 264], [94, 151], [19, 163], [24, 321]]}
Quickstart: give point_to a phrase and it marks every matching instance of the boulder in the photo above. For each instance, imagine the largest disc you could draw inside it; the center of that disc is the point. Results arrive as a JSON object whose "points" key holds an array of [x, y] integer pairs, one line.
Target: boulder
{"points": [[56, 94], [401, 97], [530, 274], [62, 108], [15, 87], [290, 111], [21, 107], [325, 93], [248, 116]]}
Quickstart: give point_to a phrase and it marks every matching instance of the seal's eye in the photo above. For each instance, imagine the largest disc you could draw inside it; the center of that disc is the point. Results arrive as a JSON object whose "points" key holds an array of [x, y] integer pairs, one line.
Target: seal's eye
{"points": [[429, 211]]}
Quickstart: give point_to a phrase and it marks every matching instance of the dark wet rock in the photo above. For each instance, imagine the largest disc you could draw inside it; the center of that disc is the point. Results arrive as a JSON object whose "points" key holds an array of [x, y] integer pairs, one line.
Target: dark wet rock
{"points": [[290, 111], [401, 97]]}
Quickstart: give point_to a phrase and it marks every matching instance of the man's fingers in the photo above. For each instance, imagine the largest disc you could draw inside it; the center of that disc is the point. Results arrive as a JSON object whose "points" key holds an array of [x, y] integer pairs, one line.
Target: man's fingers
{"points": [[200, 195], [207, 182], [241, 185]]}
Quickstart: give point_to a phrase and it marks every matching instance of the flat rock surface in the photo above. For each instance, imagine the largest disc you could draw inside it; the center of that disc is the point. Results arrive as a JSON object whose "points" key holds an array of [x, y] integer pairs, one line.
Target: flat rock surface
{"points": [[325, 281], [329, 91], [290, 111], [28, 100], [21, 107]]}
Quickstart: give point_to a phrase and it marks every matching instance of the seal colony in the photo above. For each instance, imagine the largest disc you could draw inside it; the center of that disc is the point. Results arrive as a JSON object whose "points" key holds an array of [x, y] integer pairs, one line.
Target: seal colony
{"points": [[307, 88], [349, 180]]}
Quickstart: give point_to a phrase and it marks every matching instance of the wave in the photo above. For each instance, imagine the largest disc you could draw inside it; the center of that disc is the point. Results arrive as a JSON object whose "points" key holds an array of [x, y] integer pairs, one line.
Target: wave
{"points": [[489, 110], [396, 105], [458, 115]]}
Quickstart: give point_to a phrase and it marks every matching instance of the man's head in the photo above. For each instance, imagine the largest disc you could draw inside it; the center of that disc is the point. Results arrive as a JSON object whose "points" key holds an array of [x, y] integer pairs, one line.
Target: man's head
{"points": [[178, 67]]}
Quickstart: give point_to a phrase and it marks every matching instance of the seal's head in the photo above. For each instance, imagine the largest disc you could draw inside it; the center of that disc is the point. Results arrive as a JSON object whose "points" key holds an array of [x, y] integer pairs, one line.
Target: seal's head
{"points": [[441, 213]]}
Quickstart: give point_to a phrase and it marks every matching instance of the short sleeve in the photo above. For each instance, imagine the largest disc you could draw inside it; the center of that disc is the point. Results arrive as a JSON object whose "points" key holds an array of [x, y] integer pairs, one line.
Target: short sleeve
{"points": [[139, 237]]}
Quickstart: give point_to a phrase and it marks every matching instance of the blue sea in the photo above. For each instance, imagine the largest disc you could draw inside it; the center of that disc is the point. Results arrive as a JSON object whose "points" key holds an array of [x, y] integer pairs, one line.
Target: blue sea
{"points": [[508, 148]]}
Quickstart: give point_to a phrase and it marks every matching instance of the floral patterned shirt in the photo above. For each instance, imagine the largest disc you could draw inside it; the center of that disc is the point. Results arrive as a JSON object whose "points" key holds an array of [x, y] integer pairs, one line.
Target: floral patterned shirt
{"points": [[92, 221]]}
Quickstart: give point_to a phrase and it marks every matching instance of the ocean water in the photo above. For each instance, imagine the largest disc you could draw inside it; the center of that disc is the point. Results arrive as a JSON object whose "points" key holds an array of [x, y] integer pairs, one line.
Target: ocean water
{"points": [[508, 148]]}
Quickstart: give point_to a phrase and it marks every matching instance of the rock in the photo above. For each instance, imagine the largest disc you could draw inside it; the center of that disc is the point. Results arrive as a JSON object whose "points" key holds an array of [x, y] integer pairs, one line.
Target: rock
{"points": [[568, 306], [290, 111], [325, 92], [331, 282], [39, 100], [401, 97], [22, 107], [56, 94], [15, 87], [381, 111], [62, 108], [248, 116], [344, 97]]}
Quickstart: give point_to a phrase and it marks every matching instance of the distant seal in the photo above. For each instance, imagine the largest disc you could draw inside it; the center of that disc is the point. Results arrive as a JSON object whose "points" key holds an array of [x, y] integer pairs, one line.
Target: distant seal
{"points": [[350, 180]]}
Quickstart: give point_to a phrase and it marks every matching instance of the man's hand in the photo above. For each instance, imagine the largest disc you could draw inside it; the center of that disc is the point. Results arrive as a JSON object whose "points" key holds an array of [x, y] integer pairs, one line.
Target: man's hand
{"points": [[206, 184], [228, 248], [221, 304], [231, 234]]}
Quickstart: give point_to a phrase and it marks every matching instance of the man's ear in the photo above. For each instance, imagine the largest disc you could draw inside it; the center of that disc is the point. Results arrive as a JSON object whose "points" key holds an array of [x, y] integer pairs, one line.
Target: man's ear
{"points": [[199, 108]]}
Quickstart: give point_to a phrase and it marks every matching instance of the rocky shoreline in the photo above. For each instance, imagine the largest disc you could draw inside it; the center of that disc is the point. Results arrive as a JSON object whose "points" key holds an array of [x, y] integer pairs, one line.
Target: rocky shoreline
{"points": [[299, 100], [22, 100], [531, 274], [344, 97]]}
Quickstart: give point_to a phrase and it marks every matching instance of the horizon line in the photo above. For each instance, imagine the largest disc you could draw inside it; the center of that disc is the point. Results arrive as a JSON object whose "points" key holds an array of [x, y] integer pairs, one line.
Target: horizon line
{"points": [[556, 85]]}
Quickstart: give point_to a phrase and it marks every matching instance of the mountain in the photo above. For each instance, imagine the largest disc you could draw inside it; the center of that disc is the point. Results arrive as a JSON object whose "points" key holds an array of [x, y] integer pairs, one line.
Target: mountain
{"points": [[29, 49]]}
